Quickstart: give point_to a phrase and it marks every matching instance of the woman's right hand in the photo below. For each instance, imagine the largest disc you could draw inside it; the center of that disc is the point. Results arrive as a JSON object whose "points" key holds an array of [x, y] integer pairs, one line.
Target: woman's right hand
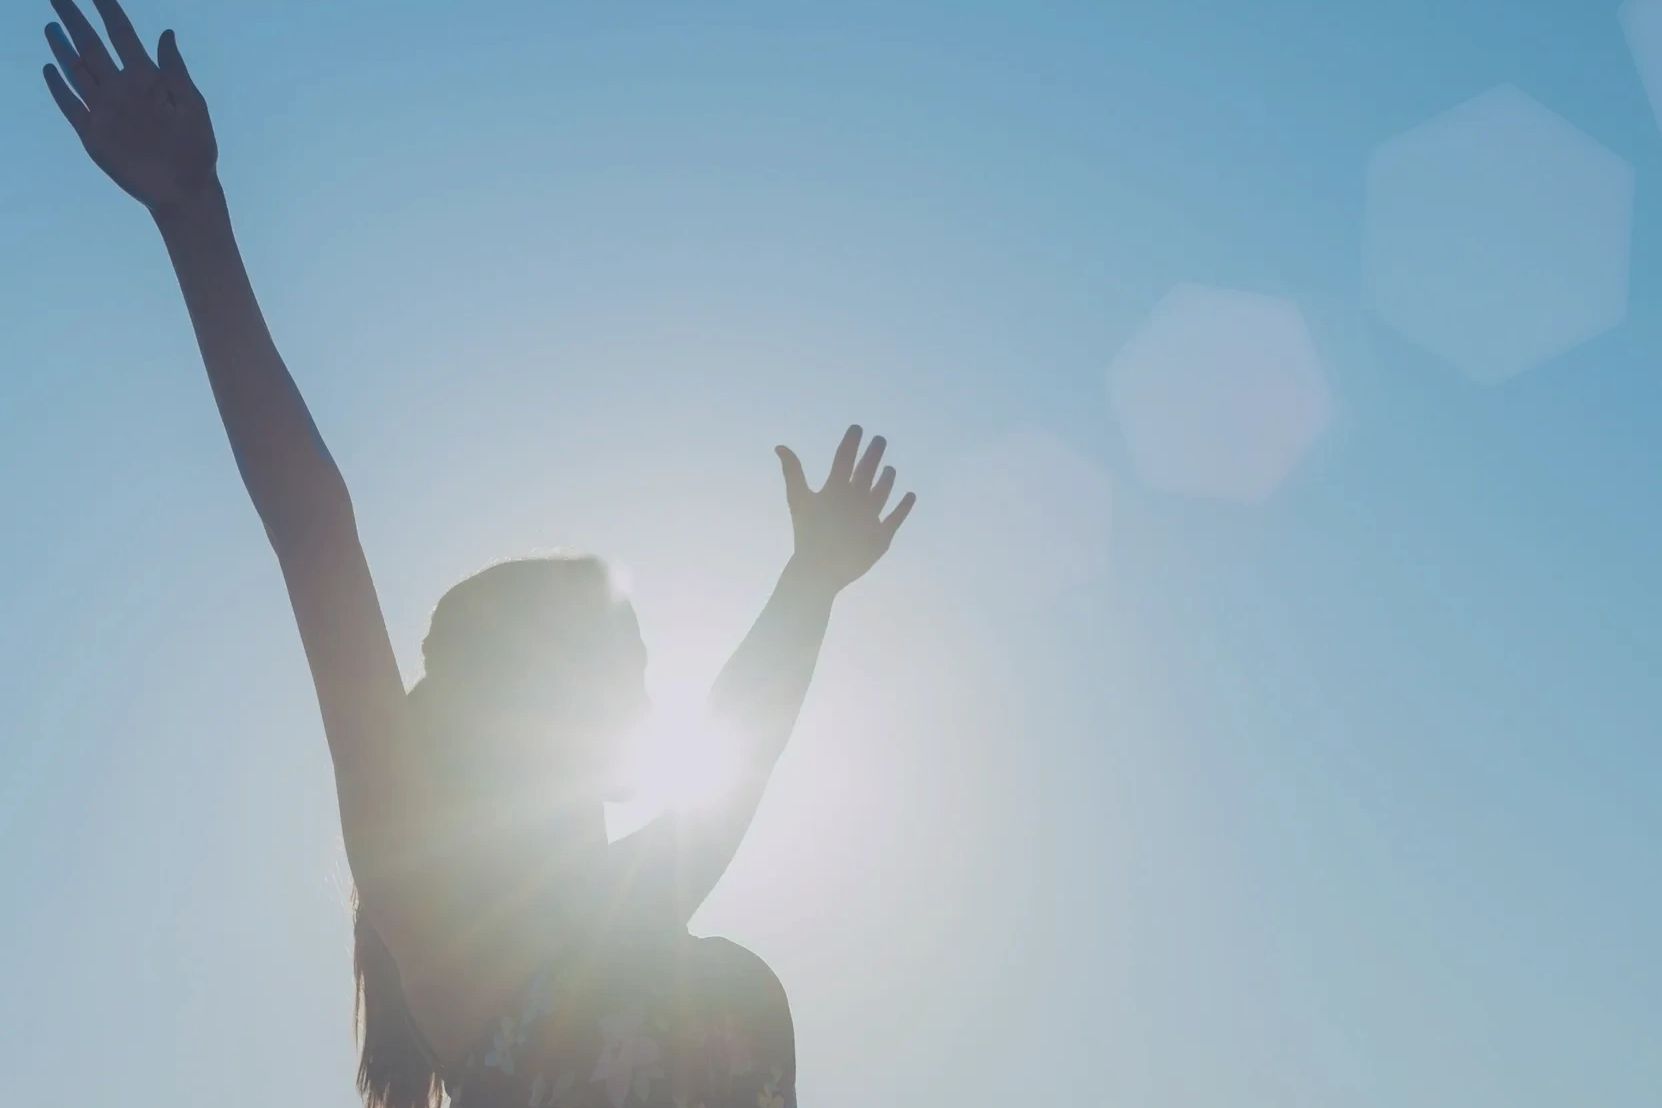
{"points": [[145, 124]]}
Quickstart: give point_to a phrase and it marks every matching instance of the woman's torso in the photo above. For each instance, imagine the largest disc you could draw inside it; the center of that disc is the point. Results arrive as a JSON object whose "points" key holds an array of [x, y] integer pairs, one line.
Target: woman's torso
{"points": [[669, 1021]]}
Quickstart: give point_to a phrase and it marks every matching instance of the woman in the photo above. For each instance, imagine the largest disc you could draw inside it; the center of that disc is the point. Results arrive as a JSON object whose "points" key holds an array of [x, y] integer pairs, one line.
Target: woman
{"points": [[507, 954]]}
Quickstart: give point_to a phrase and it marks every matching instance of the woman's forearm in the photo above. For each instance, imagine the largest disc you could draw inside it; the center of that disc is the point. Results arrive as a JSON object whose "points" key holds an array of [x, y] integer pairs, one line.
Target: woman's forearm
{"points": [[840, 532], [288, 472], [760, 691]]}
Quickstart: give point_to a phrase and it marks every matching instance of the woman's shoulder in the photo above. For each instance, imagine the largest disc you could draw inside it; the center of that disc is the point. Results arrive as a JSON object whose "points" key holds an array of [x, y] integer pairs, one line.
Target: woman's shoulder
{"points": [[726, 968], [721, 953]]}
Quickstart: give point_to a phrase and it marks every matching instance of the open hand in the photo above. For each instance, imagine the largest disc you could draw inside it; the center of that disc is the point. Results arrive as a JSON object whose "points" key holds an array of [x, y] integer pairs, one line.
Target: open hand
{"points": [[841, 530], [144, 122]]}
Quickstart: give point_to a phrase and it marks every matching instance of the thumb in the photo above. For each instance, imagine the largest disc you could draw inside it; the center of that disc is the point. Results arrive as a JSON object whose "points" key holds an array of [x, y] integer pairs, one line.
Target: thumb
{"points": [[170, 61], [796, 485]]}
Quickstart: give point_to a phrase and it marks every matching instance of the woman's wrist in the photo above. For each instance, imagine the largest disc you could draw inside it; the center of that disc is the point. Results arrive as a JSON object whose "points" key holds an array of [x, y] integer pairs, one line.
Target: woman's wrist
{"points": [[203, 205], [808, 580]]}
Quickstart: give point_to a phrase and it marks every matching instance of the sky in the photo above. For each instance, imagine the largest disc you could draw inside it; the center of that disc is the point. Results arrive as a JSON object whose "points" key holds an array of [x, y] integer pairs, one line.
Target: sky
{"points": [[1258, 708]]}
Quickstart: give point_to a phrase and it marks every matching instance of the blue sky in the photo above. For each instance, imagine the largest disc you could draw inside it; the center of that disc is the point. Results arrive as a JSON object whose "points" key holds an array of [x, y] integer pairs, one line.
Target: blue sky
{"points": [[1344, 797]]}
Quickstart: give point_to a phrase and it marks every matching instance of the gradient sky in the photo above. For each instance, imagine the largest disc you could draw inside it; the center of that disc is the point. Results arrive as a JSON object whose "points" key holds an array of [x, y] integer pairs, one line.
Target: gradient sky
{"points": [[1104, 795]]}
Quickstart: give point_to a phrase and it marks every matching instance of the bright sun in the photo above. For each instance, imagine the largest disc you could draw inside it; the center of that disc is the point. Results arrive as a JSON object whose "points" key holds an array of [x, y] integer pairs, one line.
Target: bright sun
{"points": [[678, 758]]}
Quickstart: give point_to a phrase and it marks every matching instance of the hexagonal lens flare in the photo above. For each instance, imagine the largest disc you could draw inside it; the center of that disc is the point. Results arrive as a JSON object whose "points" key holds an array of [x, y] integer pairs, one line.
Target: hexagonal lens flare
{"points": [[1220, 394], [1497, 235]]}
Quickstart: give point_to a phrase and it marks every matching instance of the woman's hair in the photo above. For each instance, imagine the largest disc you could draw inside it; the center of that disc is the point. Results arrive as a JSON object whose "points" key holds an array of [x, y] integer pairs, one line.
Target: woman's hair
{"points": [[484, 636], [395, 1069]]}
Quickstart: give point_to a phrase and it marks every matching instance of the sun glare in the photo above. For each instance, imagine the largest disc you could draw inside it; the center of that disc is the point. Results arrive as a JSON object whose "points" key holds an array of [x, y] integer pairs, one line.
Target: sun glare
{"points": [[679, 758]]}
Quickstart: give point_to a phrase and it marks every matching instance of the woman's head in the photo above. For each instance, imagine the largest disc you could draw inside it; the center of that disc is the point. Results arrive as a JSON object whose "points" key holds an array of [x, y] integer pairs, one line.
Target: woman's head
{"points": [[534, 670]]}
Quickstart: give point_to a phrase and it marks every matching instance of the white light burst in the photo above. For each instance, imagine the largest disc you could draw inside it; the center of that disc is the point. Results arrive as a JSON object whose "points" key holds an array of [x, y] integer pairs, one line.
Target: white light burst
{"points": [[679, 758]]}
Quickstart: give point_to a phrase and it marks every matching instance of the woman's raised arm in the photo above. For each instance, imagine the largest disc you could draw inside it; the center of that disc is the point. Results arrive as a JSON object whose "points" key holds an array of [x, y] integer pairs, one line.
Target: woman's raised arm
{"points": [[146, 125], [670, 866]]}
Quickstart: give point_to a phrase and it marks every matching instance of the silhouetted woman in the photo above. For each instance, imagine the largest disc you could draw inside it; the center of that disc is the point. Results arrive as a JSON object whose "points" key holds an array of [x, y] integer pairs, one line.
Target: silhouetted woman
{"points": [[506, 953]]}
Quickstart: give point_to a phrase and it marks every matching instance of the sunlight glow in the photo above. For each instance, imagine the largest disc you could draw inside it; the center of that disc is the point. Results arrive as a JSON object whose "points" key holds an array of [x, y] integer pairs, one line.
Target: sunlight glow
{"points": [[679, 758]]}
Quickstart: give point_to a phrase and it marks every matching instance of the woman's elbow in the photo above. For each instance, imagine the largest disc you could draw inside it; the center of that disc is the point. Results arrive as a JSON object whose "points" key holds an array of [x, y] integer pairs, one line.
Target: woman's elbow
{"points": [[317, 515]]}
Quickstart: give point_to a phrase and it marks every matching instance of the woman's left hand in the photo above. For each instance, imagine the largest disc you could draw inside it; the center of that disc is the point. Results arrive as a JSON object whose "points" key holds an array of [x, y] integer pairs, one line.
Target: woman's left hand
{"points": [[840, 529]]}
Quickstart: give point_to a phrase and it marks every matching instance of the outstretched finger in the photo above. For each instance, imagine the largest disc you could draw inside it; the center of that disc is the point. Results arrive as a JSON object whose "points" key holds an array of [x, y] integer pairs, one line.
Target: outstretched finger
{"points": [[173, 65], [895, 518], [796, 483], [880, 491], [68, 103], [86, 40], [69, 62], [842, 464], [128, 46], [866, 471]]}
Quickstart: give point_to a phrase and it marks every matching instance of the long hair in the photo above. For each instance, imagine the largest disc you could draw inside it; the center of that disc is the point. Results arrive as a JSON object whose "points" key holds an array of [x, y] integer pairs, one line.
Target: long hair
{"points": [[478, 628], [395, 1068]]}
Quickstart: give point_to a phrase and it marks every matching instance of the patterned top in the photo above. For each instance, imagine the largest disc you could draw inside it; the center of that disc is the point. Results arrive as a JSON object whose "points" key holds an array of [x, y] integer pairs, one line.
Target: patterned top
{"points": [[673, 1022]]}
